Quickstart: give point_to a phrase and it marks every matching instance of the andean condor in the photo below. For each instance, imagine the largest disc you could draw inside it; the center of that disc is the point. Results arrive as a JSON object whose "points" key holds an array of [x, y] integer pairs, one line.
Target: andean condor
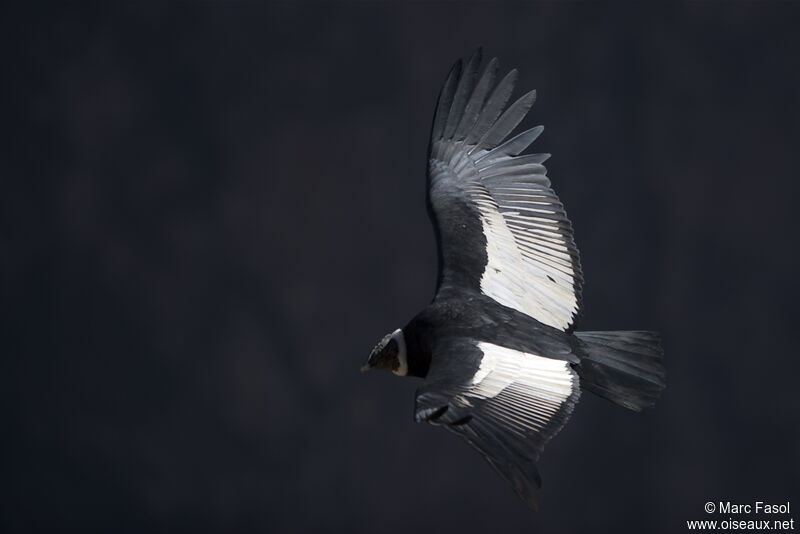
{"points": [[502, 362]]}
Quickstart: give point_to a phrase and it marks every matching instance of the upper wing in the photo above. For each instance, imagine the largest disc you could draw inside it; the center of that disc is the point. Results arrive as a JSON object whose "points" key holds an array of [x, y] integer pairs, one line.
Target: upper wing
{"points": [[508, 408], [500, 228]]}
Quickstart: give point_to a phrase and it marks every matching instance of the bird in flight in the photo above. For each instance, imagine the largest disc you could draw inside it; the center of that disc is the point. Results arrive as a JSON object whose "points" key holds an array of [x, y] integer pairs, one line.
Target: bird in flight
{"points": [[503, 364]]}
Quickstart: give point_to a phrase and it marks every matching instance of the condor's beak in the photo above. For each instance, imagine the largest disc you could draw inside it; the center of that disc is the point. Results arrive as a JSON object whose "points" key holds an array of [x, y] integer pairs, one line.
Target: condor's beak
{"points": [[365, 367]]}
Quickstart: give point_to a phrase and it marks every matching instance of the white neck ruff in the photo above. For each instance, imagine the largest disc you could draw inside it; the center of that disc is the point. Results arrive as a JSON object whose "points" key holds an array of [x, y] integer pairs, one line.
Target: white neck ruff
{"points": [[402, 355]]}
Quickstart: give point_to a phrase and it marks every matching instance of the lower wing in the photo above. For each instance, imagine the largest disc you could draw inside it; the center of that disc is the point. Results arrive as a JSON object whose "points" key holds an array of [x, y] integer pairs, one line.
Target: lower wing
{"points": [[509, 408]]}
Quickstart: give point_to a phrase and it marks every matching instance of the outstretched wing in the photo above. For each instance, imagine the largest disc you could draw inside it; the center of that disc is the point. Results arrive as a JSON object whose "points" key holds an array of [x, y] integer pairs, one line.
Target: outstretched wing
{"points": [[500, 228], [508, 408]]}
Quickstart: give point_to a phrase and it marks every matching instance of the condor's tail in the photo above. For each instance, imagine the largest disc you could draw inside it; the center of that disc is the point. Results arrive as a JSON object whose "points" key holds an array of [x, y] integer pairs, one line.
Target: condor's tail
{"points": [[624, 367]]}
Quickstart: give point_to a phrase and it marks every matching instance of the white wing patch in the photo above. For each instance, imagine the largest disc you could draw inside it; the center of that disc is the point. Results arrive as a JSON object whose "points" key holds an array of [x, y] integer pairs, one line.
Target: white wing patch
{"points": [[532, 263], [529, 267], [529, 389]]}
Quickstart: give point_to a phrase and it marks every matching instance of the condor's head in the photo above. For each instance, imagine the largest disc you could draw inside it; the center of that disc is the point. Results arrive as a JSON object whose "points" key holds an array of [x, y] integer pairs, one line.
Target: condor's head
{"points": [[390, 354]]}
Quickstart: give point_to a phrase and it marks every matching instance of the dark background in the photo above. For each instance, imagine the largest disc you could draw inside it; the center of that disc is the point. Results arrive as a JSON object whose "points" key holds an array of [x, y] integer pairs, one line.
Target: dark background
{"points": [[211, 212]]}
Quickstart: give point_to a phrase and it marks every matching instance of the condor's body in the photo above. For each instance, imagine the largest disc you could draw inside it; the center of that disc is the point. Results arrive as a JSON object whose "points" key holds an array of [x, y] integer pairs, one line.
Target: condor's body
{"points": [[454, 315]]}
